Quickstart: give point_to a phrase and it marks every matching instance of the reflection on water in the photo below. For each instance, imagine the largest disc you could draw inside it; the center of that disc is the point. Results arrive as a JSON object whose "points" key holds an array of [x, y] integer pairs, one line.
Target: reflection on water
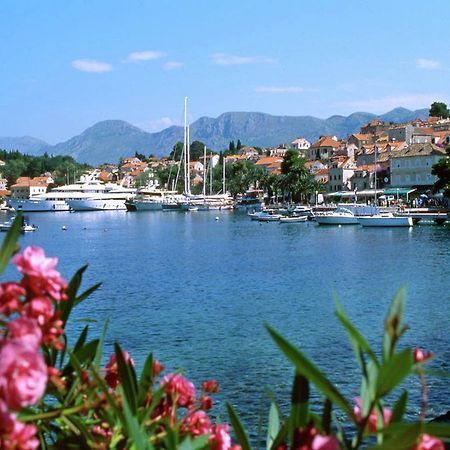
{"points": [[197, 292]]}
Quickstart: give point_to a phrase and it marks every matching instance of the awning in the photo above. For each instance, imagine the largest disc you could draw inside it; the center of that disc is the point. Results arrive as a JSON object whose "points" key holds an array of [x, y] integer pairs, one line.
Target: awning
{"points": [[342, 194], [399, 191]]}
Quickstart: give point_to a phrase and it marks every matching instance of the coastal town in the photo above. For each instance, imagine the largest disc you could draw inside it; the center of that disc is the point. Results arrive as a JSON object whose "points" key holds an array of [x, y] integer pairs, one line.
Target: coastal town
{"points": [[395, 160]]}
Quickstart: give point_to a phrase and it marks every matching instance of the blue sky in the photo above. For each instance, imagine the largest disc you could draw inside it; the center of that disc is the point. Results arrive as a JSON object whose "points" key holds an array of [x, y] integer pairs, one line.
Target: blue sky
{"points": [[68, 64]]}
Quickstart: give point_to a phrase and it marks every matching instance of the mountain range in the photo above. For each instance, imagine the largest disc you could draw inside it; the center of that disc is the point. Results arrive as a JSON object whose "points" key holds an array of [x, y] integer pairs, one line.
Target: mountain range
{"points": [[109, 140]]}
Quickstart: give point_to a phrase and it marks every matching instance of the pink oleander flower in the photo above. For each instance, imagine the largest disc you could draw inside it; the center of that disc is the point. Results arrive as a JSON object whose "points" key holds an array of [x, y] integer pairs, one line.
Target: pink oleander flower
{"points": [[372, 422], [41, 309], [220, 438], [178, 387], [15, 435], [23, 375], [157, 367], [321, 442], [427, 442], [210, 386], [197, 423], [112, 371], [26, 331], [40, 273], [421, 356], [206, 402], [10, 294], [52, 331]]}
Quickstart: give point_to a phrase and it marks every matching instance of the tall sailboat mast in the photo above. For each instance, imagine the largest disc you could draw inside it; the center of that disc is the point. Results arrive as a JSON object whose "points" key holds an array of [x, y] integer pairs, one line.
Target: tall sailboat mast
{"points": [[188, 157], [223, 175], [210, 174], [204, 172], [185, 165], [375, 174]]}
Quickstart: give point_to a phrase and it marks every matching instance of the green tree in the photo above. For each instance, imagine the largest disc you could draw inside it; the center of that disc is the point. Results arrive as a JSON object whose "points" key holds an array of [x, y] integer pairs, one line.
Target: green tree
{"points": [[232, 148], [241, 175], [296, 180], [197, 149], [141, 156], [13, 169], [176, 152], [439, 109], [238, 145], [442, 170]]}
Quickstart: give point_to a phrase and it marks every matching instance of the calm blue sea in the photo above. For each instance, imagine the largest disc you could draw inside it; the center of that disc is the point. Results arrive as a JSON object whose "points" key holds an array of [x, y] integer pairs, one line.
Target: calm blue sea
{"points": [[197, 291]]}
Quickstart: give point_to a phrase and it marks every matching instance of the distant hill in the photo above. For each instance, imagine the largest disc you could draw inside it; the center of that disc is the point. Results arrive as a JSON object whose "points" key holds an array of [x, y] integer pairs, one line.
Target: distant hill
{"points": [[110, 140], [25, 144]]}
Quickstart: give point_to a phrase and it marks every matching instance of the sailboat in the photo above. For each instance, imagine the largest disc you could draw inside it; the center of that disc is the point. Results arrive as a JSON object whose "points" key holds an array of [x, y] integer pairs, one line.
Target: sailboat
{"points": [[383, 219], [180, 202]]}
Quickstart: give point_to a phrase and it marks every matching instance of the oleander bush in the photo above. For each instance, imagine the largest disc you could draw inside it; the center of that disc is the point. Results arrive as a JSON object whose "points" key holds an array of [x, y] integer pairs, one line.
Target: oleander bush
{"points": [[58, 396]]}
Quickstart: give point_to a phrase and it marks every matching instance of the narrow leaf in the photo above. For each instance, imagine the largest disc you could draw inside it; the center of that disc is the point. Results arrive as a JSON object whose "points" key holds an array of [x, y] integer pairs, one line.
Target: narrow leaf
{"points": [[146, 379], [299, 404], [356, 338], [239, 430], [274, 425], [400, 439], [392, 323], [399, 408], [10, 242], [393, 371], [125, 377], [306, 368], [326, 416]]}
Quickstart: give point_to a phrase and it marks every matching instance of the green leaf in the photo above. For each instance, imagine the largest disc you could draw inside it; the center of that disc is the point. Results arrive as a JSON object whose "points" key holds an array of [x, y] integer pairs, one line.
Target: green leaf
{"points": [[393, 328], [127, 380], [86, 353], [239, 430], [299, 404], [274, 425], [326, 416], [9, 245], [146, 379], [136, 434], [440, 430], [99, 352], [399, 408], [86, 294], [306, 368], [393, 371], [81, 339], [281, 436], [356, 338], [402, 438]]}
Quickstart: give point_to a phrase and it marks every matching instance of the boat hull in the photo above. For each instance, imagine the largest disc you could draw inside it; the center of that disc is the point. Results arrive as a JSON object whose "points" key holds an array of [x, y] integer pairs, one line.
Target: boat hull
{"points": [[139, 205], [336, 220], [381, 221], [30, 205], [294, 219], [97, 205]]}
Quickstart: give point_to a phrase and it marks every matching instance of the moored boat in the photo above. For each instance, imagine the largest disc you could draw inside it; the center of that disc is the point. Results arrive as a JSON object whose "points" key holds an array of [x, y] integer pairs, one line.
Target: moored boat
{"points": [[341, 216], [385, 220], [293, 219]]}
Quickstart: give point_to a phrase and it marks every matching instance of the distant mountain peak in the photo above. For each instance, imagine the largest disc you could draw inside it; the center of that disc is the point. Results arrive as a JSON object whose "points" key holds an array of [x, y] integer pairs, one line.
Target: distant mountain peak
{"points": [[109, 140]]}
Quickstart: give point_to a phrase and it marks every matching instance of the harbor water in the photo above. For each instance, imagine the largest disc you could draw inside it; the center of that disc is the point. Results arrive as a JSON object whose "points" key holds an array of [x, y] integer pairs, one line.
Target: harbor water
{"points": [[196, 291]]}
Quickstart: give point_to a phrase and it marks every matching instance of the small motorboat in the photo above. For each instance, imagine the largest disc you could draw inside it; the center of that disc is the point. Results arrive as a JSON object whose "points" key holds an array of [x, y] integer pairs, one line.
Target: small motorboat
{"points": [[25, 227], [293, 219]]}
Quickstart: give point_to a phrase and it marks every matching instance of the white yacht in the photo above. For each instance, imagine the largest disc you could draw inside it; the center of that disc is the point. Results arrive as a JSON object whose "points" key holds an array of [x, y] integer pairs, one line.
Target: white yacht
{"points": [[150, 199], [385, 220], [341, 216], [113, 198], [57, 199]]}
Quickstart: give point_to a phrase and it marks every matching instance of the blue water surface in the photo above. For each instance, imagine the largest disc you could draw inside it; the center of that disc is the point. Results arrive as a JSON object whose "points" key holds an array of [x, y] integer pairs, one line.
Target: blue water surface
{"points": [[197, 292]]}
